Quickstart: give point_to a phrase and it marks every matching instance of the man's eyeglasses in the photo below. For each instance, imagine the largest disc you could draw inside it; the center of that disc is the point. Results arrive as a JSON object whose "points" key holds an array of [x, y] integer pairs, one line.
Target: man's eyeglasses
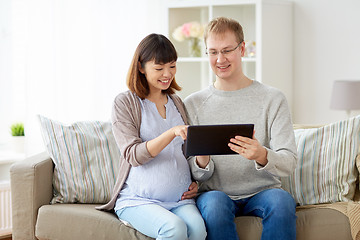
{"points": [[224, 52]]}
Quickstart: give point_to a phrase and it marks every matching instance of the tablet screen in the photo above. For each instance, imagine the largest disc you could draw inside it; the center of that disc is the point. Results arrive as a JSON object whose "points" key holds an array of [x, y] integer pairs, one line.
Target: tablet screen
{"points": [[214, 139]]}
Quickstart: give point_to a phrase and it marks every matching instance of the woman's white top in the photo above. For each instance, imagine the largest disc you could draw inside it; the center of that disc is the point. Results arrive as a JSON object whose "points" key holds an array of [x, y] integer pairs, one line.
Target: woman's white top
{"points": [[164, 179]]}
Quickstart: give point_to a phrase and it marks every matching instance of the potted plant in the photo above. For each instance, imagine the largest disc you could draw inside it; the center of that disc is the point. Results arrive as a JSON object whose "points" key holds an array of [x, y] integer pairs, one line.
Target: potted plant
{"points": [[18, 137]]}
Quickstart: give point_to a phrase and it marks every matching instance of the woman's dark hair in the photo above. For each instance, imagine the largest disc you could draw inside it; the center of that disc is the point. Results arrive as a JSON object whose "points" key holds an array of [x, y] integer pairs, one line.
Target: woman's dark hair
{"points": [[153, 47]]}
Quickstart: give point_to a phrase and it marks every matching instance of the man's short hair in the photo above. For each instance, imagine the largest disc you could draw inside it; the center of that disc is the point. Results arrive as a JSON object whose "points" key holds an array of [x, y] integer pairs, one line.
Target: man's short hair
{"points": [[221, 25]]}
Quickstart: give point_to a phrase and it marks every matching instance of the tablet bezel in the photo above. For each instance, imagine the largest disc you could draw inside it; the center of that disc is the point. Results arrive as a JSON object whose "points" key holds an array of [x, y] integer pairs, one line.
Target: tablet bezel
{"points": [[214, 139]]}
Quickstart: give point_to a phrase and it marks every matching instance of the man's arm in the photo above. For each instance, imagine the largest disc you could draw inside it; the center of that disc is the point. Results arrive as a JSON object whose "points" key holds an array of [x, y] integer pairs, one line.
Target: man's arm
{"points": [[201, 173], [281, 149]]}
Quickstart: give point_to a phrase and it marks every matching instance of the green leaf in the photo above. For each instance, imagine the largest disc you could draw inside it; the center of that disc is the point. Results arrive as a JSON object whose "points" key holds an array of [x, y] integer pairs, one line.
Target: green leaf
{"points": [[17, 129]]}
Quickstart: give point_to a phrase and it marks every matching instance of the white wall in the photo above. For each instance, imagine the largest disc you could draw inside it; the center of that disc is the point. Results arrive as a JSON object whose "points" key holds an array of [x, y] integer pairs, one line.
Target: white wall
{"points": [[326, 48], [326, 45], [67, 59], [5, 70]]}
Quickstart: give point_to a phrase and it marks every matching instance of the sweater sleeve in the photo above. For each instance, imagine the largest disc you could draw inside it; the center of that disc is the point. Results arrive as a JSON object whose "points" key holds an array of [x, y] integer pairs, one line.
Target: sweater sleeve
{"points": [[126, 121], [199, 174], [281, 151]]}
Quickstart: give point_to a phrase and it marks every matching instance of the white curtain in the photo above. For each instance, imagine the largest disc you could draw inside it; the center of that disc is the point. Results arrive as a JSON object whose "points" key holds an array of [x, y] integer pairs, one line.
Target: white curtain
{"points": [[70, 57]]}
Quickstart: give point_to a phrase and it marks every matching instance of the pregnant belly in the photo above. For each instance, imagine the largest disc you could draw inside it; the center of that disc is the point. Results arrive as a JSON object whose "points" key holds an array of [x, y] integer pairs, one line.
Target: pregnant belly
{"points": [[165, 186]]}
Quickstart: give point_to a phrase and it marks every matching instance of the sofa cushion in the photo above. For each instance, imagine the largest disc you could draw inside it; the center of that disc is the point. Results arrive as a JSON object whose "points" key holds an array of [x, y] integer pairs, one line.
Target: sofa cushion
{"points": [[82, 221], [311, 224], [326, 170], [86, 160], [322, 223]]}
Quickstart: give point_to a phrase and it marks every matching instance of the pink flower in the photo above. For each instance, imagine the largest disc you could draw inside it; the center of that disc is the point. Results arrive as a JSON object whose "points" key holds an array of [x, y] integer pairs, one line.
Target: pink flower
{"points": [[186, 29]]}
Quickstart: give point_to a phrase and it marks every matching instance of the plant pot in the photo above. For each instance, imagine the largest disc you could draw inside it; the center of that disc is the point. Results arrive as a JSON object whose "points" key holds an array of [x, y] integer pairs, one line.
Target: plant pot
{"points": [[18, 144]]}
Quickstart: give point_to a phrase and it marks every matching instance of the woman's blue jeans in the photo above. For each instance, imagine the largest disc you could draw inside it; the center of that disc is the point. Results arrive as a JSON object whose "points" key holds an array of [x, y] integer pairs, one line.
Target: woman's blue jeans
{"points": [[276, 207], [180, 223]]}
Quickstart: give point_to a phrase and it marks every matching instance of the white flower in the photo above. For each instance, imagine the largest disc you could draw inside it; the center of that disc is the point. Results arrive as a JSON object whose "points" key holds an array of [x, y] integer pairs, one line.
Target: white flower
{"points": [[196, 30], [188, 30], [177, 34]]}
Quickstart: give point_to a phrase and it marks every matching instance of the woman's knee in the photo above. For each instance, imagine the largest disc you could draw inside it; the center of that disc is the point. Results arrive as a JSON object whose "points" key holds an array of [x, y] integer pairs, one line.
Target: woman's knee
{"points": [[197, 233], [175, 228], [197, 229]]}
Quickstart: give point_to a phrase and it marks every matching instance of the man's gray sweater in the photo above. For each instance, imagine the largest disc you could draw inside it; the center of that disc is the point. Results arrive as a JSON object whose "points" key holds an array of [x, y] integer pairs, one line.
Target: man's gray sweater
{"points": [[267, 108]]}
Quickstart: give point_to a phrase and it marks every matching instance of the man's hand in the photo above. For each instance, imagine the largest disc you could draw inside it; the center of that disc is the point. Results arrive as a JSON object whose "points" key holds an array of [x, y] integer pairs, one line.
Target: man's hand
{"points": [[193, 189], [249, 148]]}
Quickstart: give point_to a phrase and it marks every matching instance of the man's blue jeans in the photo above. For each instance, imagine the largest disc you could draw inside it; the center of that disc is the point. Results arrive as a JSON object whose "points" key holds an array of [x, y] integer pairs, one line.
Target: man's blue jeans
{"points": [[275, 206]]}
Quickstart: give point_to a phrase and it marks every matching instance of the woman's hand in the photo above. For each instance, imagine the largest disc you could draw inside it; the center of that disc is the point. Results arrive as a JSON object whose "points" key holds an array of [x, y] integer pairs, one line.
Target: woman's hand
{"points": [[181, 131], [156, 145], [193, 189]]}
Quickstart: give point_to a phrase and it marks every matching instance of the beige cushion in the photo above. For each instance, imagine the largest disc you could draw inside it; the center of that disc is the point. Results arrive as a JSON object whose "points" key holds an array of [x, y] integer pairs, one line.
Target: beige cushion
{"points": [[311, 224], [86, 160], [326, 171], [82, 221], [315, 224]]}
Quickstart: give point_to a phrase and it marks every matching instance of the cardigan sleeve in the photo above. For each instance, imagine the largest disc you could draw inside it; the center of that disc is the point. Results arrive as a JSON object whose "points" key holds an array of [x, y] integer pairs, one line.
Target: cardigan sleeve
{"points": [[126, 121], [180, 107]]}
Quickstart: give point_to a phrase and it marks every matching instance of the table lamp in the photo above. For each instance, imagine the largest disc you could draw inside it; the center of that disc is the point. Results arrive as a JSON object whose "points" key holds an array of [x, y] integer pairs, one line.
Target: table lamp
{"points": [[346, 95]]}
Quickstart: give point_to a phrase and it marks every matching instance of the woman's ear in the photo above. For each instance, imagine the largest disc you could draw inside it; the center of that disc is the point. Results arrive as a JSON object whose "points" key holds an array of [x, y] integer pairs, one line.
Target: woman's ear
{"points": [[140, 68]]}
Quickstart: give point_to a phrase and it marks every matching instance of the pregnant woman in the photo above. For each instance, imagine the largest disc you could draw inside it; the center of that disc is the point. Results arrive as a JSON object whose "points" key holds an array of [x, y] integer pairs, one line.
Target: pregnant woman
{"points": [[154, 191]]}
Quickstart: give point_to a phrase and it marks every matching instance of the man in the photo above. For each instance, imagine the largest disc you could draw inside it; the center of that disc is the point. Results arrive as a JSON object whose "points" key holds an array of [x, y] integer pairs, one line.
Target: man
{"points": [[246, 183]]}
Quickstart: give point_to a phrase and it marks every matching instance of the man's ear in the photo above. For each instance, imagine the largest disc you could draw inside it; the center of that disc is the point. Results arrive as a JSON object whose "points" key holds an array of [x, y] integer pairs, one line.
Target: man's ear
{"points": [[140, 68], [242, 47]]}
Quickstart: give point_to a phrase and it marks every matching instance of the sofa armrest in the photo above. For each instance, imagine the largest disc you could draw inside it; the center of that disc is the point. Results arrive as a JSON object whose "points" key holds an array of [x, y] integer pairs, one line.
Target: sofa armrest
{"points": [[31, 187]]}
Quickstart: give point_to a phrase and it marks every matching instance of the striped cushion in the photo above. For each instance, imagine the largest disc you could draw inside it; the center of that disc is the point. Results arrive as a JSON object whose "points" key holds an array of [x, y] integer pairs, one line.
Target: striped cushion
{"points": [[326, 170], [86, 160]]}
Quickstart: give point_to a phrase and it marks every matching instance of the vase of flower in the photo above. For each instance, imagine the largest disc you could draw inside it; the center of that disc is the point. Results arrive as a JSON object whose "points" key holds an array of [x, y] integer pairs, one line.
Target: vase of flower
{"points": [[194, 47], [193, 33]]}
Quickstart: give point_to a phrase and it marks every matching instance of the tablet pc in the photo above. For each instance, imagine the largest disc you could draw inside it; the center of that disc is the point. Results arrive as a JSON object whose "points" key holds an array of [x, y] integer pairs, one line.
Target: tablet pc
{"points": [[214, 139]]}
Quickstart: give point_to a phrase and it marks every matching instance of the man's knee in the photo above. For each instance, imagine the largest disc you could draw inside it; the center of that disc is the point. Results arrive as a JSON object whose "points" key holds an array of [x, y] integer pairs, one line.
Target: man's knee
{"points": [[281, 199], [279, 204], [215, 206], [212, 199]]}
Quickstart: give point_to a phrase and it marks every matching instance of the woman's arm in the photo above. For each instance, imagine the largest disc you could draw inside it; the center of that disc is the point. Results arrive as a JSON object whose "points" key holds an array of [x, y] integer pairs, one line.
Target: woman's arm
{"points": [[126, 122], [156, 145]]}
